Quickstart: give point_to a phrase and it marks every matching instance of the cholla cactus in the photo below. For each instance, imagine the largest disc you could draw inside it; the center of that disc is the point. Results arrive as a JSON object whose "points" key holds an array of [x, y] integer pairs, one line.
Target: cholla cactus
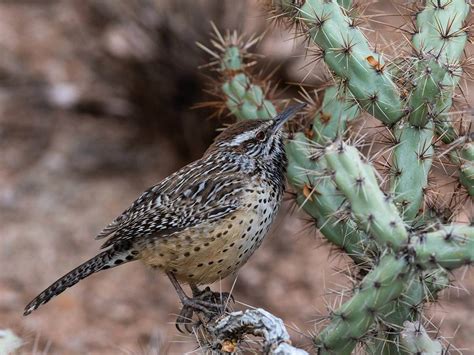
{"points": [[393, 232]]}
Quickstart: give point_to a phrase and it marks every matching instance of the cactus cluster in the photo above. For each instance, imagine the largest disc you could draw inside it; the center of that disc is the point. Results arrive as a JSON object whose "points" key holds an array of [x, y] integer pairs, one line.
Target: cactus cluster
{"points": [[392, 232]]}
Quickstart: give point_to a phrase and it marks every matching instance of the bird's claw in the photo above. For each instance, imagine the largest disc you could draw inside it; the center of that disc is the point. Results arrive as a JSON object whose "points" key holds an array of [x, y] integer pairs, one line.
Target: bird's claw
{"points": [[185, 318], [206, 303]]}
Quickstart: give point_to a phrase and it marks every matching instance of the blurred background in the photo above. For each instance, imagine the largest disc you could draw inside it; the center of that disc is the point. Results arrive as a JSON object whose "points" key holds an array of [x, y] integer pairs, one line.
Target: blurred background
{"points": [[96, 104]]}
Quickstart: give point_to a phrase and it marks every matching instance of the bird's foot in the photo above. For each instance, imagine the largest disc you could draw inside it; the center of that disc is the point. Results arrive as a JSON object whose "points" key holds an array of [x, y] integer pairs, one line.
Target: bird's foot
{"points": [[206, 303], [185, 319], [209, 296]]}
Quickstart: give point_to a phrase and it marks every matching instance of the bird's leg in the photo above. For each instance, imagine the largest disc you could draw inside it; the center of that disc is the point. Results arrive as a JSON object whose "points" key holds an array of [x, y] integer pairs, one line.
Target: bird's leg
{"points": [[196, 302], [185, 316], [199, 303], [195, 290]]}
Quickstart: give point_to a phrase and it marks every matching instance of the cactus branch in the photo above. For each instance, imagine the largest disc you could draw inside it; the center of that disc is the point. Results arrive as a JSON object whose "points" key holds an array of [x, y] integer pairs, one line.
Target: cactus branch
{"points": [[415, 340], [348, 55], [464, 158], [439, 40], [320, 199], [330, 120], [449, 247], [406, 307], [412, 158], [372, 209], [350, 323]]}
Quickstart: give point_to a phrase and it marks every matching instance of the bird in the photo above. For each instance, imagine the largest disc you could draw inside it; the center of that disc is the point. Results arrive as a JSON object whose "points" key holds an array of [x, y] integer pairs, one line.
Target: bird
{"points": [[203, 222]]}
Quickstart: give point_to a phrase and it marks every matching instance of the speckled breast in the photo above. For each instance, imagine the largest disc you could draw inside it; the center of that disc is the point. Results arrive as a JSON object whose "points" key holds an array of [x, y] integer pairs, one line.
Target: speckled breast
{"points": [[211, 251]]}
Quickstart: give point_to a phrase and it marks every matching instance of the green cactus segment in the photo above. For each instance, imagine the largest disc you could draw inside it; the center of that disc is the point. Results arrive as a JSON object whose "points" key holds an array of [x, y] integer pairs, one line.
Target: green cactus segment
{"points": [[445, 130], [420, 289], [411, 163], [464, 158], [466, 170], [319, 198], [348, 55], [439, 40], [449, 247], [246, 100], [440, 29], [331, 119], [373, 210], [415, 340], [351, 322], [406, 307], [232, 59], [344, 235], [428, 86], [466, 177]]}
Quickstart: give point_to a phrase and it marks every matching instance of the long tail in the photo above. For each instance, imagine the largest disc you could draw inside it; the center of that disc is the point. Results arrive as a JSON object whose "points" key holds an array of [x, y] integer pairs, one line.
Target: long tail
{"points": [[105, 260]]}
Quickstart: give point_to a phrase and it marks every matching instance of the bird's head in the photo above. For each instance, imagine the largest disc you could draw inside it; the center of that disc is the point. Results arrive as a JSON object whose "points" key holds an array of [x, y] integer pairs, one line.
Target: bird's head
{"points": [[262, 139]]}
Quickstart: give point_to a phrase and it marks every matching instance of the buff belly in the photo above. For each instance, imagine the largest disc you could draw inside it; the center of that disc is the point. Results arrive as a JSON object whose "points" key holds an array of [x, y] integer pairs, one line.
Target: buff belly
{"points": [[206, 253]]}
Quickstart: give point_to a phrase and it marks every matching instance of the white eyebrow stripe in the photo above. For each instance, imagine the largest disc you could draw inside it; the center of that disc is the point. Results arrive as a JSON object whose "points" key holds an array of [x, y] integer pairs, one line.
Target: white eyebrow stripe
{"points": [[242, 138]]}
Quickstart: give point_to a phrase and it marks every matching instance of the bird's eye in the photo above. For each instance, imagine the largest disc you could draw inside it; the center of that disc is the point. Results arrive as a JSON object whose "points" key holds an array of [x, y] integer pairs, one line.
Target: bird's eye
{"points": [[260, 136]]}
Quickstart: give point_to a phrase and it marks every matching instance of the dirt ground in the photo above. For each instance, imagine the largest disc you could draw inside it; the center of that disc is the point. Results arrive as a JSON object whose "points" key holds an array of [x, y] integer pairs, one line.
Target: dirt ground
{"points": [[71, 162]]}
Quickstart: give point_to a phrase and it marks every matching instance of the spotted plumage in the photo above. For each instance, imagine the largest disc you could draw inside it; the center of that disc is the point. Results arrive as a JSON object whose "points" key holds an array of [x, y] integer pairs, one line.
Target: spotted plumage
{"points": [[203, 222]]}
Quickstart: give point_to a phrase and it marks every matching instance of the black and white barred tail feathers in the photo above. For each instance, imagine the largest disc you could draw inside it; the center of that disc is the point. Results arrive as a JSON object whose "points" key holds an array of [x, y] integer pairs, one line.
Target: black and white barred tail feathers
{"points": [[105, 260]]}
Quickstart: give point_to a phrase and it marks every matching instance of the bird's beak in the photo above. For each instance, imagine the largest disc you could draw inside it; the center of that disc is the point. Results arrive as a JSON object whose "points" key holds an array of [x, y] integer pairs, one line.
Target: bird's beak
{"points": [[284, 116]]}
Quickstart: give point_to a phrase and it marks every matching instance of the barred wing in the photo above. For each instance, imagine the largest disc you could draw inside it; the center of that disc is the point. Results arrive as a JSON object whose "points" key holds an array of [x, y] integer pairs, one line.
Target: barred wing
{"points": [[184, 199]]}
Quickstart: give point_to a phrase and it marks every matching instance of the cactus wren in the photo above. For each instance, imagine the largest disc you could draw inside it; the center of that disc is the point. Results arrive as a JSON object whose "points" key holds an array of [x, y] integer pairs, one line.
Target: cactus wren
{"points": [[203, 222]]}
